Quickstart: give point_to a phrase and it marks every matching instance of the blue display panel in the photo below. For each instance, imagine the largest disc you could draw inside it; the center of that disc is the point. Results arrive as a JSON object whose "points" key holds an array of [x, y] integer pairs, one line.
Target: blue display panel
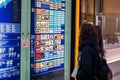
{"points": [[47, 36], [10, 14]]}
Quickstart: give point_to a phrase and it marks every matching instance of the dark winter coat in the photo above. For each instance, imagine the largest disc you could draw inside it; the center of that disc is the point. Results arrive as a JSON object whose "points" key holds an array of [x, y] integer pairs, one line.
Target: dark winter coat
{"points": [[88, 59]]}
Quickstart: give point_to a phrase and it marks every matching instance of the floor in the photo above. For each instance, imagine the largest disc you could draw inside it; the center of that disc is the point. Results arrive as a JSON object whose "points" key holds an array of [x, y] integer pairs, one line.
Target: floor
{"points": [[113, 55], [113, 58]]}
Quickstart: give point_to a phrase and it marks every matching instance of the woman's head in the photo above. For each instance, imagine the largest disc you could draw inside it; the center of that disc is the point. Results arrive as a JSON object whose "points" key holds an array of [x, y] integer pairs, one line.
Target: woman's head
{"points": [[87, 30]]}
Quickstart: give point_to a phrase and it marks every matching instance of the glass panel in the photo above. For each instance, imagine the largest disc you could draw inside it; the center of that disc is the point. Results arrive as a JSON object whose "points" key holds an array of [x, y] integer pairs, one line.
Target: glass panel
{"points": [[10, 17], [87, 11], [112, 24], [47, 39]]}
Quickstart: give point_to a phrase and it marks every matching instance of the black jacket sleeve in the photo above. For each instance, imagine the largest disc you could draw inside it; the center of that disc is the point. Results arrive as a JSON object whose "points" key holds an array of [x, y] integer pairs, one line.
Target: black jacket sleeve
{"points": [[85, 69]]}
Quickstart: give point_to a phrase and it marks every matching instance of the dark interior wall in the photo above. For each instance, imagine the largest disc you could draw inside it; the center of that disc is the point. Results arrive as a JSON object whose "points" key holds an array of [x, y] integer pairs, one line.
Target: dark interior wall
{"points": [[72, 35]]}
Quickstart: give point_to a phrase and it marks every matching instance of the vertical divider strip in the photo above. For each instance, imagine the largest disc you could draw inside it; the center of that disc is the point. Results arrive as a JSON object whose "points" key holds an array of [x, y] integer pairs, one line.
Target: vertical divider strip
{"points": [[67, 40], [25, 33]]}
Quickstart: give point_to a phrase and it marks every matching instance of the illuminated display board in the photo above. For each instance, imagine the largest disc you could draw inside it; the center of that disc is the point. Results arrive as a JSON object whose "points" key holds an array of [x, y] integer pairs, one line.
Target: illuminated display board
{"points": [[47, 36], [10, 39]]}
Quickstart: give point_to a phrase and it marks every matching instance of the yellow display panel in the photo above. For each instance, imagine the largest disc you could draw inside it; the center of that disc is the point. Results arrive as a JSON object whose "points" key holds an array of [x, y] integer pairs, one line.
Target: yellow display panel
{"points": [[77, 31]]}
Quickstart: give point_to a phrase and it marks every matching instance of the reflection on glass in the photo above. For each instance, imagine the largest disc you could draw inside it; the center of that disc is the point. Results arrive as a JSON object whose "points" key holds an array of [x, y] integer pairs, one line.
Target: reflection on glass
{"points": [[111, 23], [87, 11]]}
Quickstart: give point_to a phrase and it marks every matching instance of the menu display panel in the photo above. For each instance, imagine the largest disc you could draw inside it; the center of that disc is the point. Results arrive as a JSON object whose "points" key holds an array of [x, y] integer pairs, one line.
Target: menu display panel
{"points": [[10, 19], [47, 36]]}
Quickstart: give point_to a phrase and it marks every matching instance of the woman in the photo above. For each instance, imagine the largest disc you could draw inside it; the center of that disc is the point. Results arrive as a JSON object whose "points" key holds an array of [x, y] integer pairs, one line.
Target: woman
{"points": [[89, 58]]}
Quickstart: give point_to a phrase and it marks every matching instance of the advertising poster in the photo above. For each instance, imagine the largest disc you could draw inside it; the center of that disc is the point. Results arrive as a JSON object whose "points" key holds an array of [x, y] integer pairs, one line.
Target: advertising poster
{"points": [[47, 38], [10, 14]]}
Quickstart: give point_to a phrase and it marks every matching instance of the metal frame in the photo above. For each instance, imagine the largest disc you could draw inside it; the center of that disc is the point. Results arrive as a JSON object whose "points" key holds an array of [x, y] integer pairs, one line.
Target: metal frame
{"points": [[25, 33], [67, 40]]}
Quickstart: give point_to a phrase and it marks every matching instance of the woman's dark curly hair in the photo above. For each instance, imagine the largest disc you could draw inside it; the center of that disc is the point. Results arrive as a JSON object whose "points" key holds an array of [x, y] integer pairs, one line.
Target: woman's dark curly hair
{"points": [[87, 30], [100, 37]]}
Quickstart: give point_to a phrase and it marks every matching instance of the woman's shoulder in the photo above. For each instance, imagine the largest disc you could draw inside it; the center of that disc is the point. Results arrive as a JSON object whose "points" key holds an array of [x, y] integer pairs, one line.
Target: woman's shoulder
{"points": [[91, 48], [86, 47]]}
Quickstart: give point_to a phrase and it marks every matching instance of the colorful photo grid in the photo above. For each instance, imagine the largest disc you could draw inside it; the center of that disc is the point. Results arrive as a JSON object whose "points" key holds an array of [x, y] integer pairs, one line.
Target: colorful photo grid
{"points": [[51, 4], [49, 35]]}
